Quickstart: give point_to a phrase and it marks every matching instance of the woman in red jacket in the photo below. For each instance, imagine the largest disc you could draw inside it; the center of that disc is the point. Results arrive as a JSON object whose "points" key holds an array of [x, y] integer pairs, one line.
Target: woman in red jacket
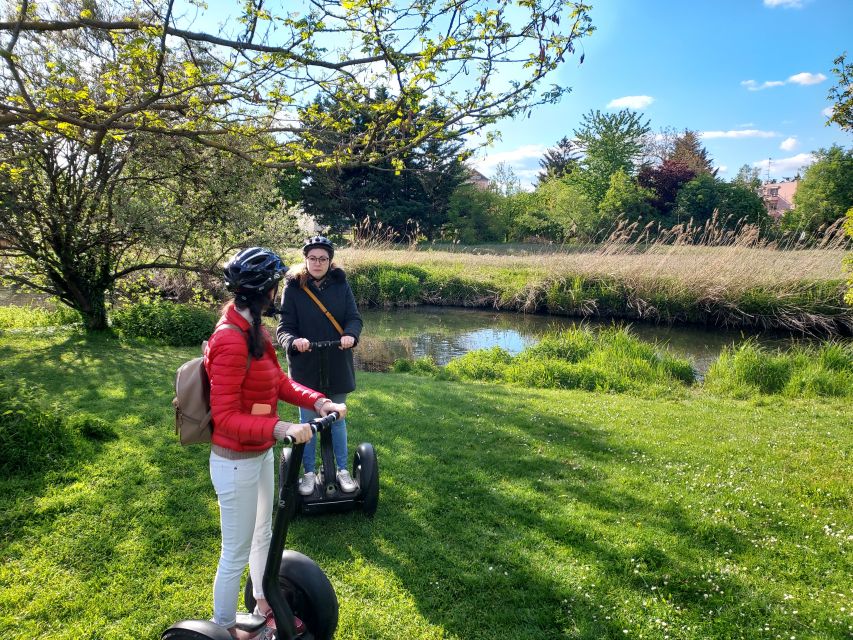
{"points": [[246, 383]]}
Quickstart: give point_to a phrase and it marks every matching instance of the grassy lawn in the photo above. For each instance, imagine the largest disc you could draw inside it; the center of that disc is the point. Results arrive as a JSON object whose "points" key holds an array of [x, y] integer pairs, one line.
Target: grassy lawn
{"points": [[504, 512]]}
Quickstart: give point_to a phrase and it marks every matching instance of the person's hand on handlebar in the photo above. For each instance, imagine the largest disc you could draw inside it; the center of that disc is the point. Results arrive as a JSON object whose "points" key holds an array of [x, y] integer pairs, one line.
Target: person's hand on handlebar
{"points": [[301, 345], [347, 342], [299, 432], [327, 407]]}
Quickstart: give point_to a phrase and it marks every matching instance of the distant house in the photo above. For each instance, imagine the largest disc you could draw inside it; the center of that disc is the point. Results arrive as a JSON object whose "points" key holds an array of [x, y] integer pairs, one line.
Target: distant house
{"points": [[779, 197], [477, 179]]}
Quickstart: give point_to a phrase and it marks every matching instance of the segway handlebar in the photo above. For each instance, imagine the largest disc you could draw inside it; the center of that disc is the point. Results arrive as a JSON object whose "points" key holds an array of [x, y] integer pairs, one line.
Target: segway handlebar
{"points": [[316, 424], [320, 344]]}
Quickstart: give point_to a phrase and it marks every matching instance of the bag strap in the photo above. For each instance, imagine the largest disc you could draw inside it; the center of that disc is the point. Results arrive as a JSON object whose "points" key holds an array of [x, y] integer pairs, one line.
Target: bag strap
{"points": [[325, 311], [228, 325]]}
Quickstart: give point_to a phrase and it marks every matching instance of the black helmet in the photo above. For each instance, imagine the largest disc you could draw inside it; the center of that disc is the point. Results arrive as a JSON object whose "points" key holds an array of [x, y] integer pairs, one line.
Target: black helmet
{"points": [[254, 270], [320, 242]]}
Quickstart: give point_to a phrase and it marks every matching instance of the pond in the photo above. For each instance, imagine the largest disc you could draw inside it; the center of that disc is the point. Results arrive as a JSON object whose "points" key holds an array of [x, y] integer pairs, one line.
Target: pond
{"points": [[444, 333]]}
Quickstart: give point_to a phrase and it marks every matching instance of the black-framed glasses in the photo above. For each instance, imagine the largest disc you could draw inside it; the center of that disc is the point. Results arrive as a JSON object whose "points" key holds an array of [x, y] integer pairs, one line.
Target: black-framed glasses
{"points": [[315, 260]]}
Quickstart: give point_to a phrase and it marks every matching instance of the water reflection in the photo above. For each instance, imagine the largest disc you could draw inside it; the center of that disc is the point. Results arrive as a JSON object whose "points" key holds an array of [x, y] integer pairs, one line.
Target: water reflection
{"points": [[448, 332]]}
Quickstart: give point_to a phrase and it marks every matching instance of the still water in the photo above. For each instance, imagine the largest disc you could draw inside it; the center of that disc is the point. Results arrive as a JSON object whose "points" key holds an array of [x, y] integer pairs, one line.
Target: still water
{"points": [[448, 332]]}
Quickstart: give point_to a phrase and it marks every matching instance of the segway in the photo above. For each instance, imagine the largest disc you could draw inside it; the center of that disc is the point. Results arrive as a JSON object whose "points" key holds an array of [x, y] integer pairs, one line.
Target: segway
{"points": [[294, 585], [327, 496]]}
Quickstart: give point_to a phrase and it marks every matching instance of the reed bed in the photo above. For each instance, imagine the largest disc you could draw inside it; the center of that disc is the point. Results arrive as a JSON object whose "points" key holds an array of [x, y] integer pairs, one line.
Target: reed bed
{"points": [[726, 278]]}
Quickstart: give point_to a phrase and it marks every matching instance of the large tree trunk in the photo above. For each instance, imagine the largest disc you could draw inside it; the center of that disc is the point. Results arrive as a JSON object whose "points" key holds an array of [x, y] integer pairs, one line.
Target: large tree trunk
{"points": [[95, 313]]}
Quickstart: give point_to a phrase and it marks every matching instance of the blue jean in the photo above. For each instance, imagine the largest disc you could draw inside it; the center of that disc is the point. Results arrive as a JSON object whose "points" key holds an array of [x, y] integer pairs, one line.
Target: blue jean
{"points": [[339, 438]]}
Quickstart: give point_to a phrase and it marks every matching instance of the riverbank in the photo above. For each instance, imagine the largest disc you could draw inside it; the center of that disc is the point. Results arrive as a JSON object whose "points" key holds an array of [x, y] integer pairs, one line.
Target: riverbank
{"points": [[730, 286], [594, 514]]}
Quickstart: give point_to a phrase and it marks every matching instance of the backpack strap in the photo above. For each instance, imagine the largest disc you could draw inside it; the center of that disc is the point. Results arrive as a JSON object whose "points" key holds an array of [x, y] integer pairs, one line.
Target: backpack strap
{"points": [[234, 327], [325, 311]]}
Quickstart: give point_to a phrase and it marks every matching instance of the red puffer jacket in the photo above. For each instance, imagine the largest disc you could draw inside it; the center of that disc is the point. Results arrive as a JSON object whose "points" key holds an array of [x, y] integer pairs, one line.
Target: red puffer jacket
{"points": [[234, 389]]}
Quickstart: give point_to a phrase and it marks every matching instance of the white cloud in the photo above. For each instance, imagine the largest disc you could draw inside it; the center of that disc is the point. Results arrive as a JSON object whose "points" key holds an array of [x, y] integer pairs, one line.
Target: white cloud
{"points": [[828, 112], [524, 162], [630, 102], [788, 4], [752, 85], [722, 169], [788, 144], [785, 166], [806, 78], [738, 133]]}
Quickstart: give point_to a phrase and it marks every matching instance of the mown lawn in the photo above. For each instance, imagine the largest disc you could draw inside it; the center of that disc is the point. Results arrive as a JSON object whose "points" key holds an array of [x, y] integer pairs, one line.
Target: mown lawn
{"points": [[504, 512]]}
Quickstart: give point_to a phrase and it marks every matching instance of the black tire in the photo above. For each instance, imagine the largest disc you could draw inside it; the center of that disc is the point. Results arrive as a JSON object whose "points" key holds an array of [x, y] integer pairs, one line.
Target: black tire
{"points": [[365, 469], [195, 630], [308, 592]]}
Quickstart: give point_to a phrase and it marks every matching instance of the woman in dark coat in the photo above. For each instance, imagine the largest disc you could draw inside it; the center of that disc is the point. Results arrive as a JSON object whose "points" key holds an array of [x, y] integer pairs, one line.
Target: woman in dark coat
{"points": [[330, 371]]}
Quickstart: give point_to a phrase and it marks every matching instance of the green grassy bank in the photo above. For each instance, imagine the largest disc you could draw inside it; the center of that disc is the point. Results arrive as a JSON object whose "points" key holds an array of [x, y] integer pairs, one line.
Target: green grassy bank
{"points": [[716, 286], [505, 512]]}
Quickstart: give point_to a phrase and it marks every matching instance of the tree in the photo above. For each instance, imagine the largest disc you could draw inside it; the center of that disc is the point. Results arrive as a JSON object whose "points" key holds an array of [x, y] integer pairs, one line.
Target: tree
{"points": [[74, 220], [689, 152], [609, 142], [473, 216], [841, 94], [89, 71], [90, 82], [825, 192], [558, 161], [664, 181], [624, 199], [505, 182], [733, 203], [414, 194]]}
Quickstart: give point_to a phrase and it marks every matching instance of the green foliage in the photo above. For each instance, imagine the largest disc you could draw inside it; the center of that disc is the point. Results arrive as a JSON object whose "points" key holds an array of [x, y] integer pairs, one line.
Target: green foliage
{"points": [[733, 203], [16, 317], [424, 366], [608, 360], [609, 141], [165, 322], [841, 94], [570, 505], [624, 199], [34, 440], [395, 287], [482, 364], [807, 371], [474, 215], [825, 193]]}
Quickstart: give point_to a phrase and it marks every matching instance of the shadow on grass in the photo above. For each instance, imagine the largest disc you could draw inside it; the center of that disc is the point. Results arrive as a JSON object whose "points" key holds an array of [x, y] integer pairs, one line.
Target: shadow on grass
{"points": [[496, 523]]}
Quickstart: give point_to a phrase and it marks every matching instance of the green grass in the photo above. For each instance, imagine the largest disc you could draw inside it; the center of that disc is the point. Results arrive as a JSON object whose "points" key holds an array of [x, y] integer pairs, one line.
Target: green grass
{"points": [[504, 512]]}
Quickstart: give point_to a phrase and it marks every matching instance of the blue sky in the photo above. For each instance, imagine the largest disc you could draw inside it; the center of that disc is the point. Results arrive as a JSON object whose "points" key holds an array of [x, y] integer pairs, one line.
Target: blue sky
{"points": [[751, 76]]}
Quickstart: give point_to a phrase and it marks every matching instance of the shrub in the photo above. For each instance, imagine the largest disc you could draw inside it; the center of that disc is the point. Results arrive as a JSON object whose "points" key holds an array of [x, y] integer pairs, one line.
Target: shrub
{"points": [[396, 287], [18, 317], [166, 322], [484, 364], [750, 369], [425, 366], [34, 440]]}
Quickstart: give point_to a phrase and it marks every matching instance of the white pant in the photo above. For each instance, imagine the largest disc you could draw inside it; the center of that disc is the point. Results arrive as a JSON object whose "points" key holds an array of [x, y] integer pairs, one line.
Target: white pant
{"points": [[244, 489]]}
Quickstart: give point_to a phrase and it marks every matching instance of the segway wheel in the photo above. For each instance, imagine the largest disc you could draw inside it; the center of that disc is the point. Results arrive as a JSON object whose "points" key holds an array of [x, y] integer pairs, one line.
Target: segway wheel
{"points": [[365, 469], [308, 592], [195, 630]]}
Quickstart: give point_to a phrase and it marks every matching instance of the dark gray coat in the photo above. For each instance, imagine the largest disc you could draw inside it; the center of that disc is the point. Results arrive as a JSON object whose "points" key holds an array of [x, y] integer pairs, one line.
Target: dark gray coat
{"points": [[328, 370]]}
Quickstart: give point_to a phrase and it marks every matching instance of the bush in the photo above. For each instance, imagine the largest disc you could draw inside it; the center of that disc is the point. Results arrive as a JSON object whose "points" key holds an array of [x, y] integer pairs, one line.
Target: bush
{"points": [[17, 317], [34, 440], [166, 322], [750, 369], [397, 287], [484, 364], [420, 366]]}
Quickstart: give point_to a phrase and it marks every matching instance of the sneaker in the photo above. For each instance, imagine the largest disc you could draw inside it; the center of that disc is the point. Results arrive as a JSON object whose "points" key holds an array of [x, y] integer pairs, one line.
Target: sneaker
{"points": [[345, 481], [306, 483]]}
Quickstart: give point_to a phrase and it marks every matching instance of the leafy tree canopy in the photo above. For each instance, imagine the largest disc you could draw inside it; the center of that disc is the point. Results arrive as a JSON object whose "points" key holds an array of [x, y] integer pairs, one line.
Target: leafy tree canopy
{"points": [[841, 94], [825, 193], [92, 71], [558, 161]]}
